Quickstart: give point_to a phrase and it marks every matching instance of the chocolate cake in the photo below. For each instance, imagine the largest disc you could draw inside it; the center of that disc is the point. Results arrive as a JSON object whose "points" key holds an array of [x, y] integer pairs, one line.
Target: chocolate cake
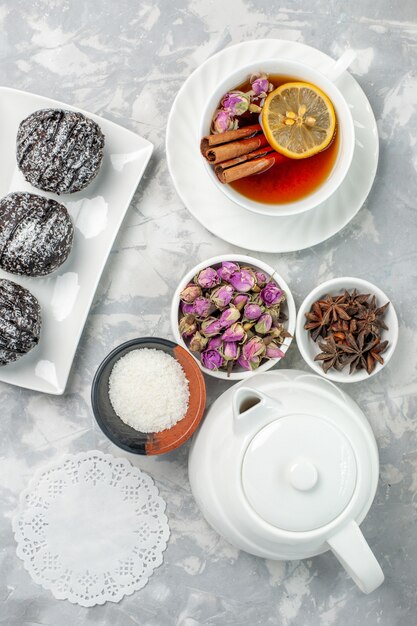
{"points": [[59, 151], [20, 321], [36, 234]]}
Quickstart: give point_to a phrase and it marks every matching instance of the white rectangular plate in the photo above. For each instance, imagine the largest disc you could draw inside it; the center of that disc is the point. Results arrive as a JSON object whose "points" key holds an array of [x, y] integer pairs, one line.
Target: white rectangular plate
{"points": [[65, 295]]}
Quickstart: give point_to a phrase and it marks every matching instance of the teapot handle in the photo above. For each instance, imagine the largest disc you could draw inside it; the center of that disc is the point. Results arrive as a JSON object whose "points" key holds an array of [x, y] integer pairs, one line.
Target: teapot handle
{"points": [[251, 405], [351, 549]]}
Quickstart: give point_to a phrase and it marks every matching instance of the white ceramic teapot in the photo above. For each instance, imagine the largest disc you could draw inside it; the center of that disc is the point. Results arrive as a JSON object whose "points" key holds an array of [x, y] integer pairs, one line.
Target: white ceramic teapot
{"points": [[285, 466]]}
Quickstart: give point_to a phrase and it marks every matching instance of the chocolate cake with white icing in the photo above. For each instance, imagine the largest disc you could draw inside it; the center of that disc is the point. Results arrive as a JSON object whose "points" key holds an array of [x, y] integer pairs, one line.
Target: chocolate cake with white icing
{"points": [[59, 151], [36, 234], [20, 321]]}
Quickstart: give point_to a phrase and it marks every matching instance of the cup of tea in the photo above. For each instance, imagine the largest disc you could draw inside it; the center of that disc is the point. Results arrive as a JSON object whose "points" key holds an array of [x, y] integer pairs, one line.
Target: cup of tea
{"points": [[296, 185]]}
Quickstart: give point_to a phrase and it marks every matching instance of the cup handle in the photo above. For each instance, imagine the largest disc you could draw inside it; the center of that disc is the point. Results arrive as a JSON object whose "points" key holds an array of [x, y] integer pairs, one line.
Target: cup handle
{"points": [[338, 67], [351, 549]]}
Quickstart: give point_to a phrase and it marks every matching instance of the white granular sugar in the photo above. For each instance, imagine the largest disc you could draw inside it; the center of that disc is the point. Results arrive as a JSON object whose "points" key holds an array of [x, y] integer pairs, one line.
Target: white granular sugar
{"points": [[148, 390]]}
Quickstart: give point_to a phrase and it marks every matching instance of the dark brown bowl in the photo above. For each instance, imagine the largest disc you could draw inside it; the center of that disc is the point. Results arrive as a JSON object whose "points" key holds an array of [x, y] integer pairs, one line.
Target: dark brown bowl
{"points": [[127, 437]]}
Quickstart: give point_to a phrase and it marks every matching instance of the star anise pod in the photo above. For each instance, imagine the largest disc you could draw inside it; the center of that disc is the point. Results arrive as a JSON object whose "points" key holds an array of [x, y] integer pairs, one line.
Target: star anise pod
{"points": [[370, 320], [317, 321], [355, 352], [335, 307], [373, 354], [355, 300], [330, 355]]}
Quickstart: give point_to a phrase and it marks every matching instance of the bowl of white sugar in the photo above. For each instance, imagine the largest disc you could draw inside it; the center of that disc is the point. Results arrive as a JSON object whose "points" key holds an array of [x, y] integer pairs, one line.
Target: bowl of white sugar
{"points": [[148, 396]]}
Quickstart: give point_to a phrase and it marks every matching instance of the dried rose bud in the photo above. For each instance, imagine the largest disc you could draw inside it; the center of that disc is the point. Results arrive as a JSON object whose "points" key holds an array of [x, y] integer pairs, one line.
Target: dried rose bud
{"points": [[211, 359], [259, 84], [187, 325], [271, 294], [229, 316], [222, 121], [264, 323], [222, 295], [240, 301], [211, 327], [230, 351], [243, 280], [203, 307], [197, 342], [253, 351], [207, 278], [252, 311], [235, 332], [273, 351], [190, 293], [227, 269], [243, 362], [187, 309], [214, 343], [236, 102], [261, 278]]}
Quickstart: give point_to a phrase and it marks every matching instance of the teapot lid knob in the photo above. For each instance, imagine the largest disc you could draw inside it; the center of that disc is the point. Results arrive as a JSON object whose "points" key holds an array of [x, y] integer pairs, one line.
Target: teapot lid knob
{"points": [[303, 475]]}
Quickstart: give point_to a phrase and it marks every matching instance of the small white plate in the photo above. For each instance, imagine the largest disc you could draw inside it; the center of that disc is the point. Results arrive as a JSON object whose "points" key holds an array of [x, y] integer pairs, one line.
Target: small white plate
{"points": [[225, 218], [65, 295]]}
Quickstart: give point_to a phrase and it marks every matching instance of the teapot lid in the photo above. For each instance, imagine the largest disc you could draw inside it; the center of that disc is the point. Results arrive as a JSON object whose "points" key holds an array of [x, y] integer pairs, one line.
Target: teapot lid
{"points": [[299, 472]]}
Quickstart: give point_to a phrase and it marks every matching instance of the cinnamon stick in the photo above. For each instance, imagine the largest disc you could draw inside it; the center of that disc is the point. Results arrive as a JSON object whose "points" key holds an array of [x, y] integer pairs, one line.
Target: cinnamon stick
{"points": [[234, 149], [229, 135], [253, 166], [243, 158]]}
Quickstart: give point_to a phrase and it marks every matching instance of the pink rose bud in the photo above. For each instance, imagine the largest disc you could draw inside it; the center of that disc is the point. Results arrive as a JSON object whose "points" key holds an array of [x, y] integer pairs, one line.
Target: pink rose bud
{"points": [[243, 362], [226, 270], [203, 307], [210, 327], [211, 359], [240, 301], [207, 278], [243, 280], [236, 102], [187, 309], [235, 332], [231, 351], [271, 294], [214, 343], [252, 311], [273, 351], [260, 85], [190, 293], [197, 342], [229, 316], [261, 278], [253, 350], [222, 121], [222, 295], [264, 323], [187, 325]]}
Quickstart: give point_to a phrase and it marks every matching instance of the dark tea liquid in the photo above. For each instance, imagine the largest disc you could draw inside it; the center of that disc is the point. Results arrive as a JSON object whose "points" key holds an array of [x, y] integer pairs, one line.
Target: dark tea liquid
{"points": [[295, 178]]}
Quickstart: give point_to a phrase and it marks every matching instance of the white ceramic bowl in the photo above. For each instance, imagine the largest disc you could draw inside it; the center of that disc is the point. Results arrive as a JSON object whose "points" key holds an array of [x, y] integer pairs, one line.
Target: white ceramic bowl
{"points": [[289, 309], [309, 349], [346, 131]]}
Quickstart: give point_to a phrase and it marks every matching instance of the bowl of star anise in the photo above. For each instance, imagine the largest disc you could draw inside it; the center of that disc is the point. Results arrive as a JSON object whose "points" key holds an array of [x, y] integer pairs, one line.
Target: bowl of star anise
{"points": [[347, 329]]}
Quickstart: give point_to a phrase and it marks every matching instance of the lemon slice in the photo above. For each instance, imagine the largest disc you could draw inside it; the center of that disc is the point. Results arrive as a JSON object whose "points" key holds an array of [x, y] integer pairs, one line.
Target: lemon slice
{"points": [[298, 120]]}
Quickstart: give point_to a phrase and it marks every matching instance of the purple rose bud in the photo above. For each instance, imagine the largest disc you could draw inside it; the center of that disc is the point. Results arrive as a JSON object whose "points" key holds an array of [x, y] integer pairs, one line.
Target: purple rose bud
{"points": [[203, 307], [264, 323], [260, 85], [227, 269], [252, 311], [187, 325], [243, 362], [197, 342], [261, 278], [273, 351], [211, 359], [271, 294], [230, 351], [236, 102], [222, 121], [207, 278], [210, 327], [243, 280], [229, 316], [235, 332], [253, 350], [222, 296], [190, 293], [240, 301], [187, 309], [214, 343]]}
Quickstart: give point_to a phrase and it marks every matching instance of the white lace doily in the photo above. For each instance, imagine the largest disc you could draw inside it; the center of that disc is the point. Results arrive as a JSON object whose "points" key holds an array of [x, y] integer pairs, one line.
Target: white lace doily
{"points": [[91, 528]]}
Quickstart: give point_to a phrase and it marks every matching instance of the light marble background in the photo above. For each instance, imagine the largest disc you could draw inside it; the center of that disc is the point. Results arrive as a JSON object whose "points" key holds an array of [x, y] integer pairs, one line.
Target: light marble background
{"points": [[126, 61]]}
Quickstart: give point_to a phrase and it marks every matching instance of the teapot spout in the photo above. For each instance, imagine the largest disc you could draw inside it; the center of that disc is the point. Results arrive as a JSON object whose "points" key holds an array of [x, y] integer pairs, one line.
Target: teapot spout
{"points": [[252, 406]]}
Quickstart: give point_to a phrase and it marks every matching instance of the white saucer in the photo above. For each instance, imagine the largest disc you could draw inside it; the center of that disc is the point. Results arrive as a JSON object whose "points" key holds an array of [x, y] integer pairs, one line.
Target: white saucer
{"points": [[215, 210]]}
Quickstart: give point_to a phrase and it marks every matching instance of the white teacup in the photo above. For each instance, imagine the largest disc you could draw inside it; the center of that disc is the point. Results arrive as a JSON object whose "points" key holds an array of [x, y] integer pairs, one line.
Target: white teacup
{"points": [[346, 131]]}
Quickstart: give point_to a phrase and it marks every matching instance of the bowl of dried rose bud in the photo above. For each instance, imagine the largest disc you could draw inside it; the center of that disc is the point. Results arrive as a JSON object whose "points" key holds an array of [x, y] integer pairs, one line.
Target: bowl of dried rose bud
{"points": [[347, 329], [235, 315]]}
